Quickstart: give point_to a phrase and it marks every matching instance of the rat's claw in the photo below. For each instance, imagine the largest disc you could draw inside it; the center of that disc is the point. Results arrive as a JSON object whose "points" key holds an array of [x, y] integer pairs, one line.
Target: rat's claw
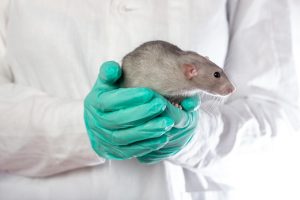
{"points": [[177, 105]]}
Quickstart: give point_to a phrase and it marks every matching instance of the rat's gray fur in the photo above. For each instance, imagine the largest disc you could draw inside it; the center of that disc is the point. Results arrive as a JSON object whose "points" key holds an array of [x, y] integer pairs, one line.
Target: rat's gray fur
{"points": [[159, 65]]}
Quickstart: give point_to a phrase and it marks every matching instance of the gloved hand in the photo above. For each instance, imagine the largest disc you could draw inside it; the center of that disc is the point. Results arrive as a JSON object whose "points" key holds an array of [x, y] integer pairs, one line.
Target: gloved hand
{"points": [[179, 136], [124, 122]]}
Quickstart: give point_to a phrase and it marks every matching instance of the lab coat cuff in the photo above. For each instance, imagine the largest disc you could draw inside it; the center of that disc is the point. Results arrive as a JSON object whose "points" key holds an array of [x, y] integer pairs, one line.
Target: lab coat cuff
{"points": [[196, 153]]}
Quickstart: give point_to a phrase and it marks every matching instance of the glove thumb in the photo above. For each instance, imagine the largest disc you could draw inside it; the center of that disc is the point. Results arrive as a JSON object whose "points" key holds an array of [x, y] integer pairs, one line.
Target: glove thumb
{"points": [[109, 73], [191, 103]]}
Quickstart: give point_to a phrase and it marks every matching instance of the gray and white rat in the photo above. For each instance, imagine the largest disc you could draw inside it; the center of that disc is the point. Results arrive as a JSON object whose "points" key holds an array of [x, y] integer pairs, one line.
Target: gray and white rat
{"points": [[172, 72]]}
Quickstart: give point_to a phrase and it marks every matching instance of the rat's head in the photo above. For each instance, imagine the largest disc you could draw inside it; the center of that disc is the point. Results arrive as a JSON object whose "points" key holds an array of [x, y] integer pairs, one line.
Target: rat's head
{"points": [[205, 75]]}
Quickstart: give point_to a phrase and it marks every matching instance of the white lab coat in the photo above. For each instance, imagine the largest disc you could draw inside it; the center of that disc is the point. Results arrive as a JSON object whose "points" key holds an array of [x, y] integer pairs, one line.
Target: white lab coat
{"points": [[50, 52]]}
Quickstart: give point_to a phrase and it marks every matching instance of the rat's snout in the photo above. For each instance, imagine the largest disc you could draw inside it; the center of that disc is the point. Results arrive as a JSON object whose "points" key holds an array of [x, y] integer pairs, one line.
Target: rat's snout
{"points": [[230, 90], [227, 89]]}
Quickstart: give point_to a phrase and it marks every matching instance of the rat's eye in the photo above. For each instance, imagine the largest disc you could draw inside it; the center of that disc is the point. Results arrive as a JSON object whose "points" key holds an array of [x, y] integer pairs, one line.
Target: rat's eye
{"points": [[217, 74]]}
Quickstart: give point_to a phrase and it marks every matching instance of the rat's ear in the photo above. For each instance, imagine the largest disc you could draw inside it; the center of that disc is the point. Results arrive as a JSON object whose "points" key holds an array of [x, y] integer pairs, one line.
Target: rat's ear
{"points": [[189, 70]]}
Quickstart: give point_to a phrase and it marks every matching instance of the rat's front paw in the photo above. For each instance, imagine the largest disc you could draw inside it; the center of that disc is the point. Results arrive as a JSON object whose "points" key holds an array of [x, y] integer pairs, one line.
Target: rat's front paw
{"points": [[177, 105]]}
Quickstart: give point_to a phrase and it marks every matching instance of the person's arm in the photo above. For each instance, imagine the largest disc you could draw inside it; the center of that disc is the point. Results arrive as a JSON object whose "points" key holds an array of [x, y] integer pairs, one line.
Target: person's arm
{"points": [[259, 62], [40, 134]]}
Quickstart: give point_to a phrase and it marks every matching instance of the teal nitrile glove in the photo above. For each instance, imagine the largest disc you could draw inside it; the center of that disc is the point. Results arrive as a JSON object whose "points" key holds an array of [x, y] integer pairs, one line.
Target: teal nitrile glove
{"points": [[180, 134], [124, 122]]}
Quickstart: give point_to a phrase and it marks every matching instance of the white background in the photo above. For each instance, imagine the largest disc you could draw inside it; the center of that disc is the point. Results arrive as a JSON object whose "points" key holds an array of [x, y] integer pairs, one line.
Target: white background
{"points": [[275, 174], [274, 171]]}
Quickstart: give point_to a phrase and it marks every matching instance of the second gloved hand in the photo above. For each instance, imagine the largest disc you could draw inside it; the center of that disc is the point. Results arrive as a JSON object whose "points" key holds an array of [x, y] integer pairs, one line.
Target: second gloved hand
{"points": [[186, 121]]}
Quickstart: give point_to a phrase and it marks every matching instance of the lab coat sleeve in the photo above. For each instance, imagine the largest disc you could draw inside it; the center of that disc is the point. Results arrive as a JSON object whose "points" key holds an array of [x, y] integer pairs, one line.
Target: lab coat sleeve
{"points": [[40, 135], [259, 62]]}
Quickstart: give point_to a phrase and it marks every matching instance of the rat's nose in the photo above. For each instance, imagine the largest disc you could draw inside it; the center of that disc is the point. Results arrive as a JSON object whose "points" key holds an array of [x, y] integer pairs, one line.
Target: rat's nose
{"points": [[228, 89]]}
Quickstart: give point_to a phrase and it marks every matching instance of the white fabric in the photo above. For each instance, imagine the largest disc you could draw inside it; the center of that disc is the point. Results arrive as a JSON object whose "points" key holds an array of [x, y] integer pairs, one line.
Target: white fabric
{"points": [[50, 52]]}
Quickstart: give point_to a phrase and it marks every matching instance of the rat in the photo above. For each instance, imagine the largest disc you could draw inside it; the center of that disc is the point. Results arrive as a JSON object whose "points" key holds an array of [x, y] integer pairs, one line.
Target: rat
{"points": [[172, 72]]}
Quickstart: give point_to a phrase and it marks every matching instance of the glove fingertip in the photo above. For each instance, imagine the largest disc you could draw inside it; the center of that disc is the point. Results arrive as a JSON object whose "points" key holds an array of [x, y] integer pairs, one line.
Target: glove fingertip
{"points": [[191, 103], [147, 161], [110, 72]]}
